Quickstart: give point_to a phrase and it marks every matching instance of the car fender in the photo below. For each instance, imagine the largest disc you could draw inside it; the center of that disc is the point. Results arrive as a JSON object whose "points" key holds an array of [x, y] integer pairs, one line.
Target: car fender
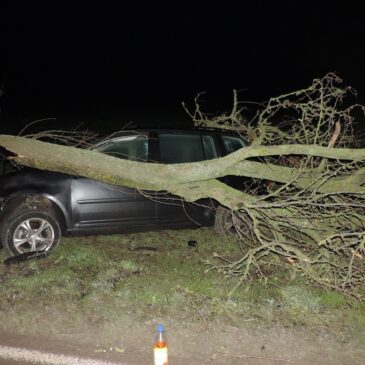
{"points": [[19, 195]]}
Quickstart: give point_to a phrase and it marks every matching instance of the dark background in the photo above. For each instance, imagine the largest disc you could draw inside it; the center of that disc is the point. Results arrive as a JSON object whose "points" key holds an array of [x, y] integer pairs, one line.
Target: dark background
{"points": [[107, 64]]}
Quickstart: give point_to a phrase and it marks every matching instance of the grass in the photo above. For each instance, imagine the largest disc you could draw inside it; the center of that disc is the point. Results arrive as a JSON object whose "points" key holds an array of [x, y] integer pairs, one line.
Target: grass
{"points": [[96, 282]]}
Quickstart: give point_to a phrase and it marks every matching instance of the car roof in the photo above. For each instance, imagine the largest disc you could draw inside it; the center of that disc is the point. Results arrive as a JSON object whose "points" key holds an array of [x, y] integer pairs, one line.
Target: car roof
{"points": [[170, 130], [193, 130]]}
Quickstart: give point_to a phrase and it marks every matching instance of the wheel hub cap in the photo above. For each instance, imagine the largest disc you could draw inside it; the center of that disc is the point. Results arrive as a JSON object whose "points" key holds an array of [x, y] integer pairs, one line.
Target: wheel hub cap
{"points": [[34, 234]]}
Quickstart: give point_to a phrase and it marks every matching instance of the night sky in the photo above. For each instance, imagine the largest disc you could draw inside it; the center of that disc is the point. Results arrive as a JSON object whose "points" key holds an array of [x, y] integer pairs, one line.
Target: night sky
{"points": [[106, 65]]}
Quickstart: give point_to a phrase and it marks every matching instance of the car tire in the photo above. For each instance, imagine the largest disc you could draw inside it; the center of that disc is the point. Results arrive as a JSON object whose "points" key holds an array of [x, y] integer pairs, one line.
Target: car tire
{"points": [[223, 223], [28, 230]]}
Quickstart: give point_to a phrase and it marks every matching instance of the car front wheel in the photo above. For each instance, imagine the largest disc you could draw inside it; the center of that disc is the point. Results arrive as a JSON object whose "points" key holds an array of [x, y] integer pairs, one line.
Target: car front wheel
{"points": [[30, 231]]}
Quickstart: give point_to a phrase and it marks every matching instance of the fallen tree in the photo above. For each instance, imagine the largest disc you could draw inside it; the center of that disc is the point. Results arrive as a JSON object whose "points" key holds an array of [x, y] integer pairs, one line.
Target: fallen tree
{"points": [[313, 211]]}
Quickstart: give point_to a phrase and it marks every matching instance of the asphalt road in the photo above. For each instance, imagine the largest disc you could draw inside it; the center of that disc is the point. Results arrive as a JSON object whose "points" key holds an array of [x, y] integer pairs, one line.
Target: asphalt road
{"points": [[10, 354]]}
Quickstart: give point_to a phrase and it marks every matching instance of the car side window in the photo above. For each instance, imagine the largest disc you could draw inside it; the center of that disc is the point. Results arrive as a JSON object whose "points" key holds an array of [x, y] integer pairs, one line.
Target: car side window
{"points": [[181, 148], [133, 148], [232, 144]]}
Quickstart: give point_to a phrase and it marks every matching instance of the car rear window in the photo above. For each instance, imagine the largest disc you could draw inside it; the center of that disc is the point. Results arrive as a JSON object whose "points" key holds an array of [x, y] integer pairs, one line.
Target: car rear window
{"points": [[209, 147], [180, 148], [232, 144]]}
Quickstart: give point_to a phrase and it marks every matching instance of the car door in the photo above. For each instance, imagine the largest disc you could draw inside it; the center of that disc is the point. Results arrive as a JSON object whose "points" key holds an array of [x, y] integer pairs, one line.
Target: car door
{"points": [[99, 205], [182, 147]]}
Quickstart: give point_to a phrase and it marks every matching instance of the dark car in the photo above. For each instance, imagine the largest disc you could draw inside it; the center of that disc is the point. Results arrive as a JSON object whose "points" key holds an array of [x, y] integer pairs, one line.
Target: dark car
{"points": [[38, 207]]}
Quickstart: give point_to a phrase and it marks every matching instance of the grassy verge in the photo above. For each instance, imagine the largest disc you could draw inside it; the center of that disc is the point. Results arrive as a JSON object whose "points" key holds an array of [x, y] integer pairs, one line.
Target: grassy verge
{"points": [[96, 283]]}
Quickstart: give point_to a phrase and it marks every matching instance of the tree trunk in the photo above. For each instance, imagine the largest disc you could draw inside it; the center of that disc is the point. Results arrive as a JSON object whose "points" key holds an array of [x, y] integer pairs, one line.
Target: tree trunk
{"points": [[191, 181]]}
